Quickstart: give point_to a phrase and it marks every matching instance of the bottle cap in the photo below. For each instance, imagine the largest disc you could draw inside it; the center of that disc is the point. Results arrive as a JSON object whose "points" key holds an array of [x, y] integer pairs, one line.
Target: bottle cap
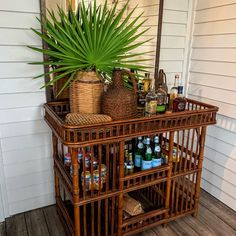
{"points": [[148, 141], [180, 89], [140, 138], [177, 76]]}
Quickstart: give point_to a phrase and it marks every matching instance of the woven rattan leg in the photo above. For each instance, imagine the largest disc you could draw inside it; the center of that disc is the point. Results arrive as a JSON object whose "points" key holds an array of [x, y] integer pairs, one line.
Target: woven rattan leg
{"points": [[121, 176], [75, 168], [201, 155], [168, 183]]}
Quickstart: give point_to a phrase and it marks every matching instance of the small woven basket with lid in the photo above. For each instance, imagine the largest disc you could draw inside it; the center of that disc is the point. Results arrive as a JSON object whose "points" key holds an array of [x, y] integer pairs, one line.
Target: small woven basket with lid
{"points": [[85, 93]]}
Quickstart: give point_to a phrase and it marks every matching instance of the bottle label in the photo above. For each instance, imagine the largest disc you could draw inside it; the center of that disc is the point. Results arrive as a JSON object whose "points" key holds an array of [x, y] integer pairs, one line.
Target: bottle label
{"points": [[129, 167], [181, 106], [138, 160], [146, 165], [140, 145], [161, 108], [151, 107], [156, 162], [157, 148], [149, 150]]}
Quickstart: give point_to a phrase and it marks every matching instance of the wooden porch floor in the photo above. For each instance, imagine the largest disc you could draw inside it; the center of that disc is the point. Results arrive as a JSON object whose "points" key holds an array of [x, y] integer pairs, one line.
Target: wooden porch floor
{"points": [[214, 219]]}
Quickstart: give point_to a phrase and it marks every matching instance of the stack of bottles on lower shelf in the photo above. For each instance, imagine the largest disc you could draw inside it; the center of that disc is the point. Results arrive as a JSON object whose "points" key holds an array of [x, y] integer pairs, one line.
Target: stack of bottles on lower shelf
{"points": [[147, 154], [89, 166]]}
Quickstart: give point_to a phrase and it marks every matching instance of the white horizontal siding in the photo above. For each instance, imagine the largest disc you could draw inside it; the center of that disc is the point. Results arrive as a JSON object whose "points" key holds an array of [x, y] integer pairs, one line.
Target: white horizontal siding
{"points": [[18, 37], [27, 6], [212, 80], [173, 40], [14, 54], [24, 137]]}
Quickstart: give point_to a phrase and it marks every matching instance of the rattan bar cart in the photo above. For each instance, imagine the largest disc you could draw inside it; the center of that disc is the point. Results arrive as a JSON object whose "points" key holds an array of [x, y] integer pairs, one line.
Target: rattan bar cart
{"points": [[169, 191]]}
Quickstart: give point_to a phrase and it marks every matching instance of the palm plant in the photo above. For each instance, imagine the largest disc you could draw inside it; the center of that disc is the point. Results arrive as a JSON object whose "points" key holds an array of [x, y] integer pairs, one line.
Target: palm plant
{"points": [[96, 38]]}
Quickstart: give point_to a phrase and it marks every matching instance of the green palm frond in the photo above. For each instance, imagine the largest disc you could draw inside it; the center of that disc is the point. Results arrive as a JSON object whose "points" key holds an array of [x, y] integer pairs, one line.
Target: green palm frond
{"points": [[95, 38]]}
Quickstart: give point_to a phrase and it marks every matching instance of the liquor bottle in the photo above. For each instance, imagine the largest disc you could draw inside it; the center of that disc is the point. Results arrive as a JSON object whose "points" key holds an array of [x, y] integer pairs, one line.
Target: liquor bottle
{"points": [[130, 164], [173, 92], [138, 155], [147, 160], [156, 159], [146, 83], [141, 96], [151, 101], [179, 103], [161, 99], [161, 80]]}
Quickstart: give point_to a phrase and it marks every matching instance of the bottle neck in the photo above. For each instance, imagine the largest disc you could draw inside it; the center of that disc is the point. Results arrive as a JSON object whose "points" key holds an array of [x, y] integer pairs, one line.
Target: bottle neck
{"points": [[180, 91]]}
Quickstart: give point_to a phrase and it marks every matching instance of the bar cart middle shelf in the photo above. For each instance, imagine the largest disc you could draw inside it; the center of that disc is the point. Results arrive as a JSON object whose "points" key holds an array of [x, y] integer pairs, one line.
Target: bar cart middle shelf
{"points": [[167, 192]]}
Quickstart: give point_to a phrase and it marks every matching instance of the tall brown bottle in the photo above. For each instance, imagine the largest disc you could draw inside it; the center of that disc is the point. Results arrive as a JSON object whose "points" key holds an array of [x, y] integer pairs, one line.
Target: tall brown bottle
{"points": [[161, 80]]}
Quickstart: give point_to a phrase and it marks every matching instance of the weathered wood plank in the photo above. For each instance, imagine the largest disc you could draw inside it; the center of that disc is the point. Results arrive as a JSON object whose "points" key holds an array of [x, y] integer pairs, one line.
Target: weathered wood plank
{"points": [[181, 228], [16, 225], [53, 221], [2, 229], [149, 232], [36, 223], [164, 231], [215, 223], [200, 227], [225, 213]]}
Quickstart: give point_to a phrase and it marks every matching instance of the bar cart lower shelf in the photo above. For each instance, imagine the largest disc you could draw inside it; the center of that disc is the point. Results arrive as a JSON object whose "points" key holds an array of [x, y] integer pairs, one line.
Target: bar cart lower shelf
{"points": [[90, 197]]}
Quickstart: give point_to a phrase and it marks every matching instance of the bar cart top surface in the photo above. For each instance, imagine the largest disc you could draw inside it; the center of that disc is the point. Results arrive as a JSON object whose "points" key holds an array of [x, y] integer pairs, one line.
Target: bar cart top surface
{"points": [[196, 114]]}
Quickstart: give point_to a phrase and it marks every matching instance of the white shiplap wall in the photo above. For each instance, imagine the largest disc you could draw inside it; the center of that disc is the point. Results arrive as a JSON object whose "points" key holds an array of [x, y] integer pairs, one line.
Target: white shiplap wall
{"points": [[212, 79], [174, 49], [24, 137], [174, 44]]}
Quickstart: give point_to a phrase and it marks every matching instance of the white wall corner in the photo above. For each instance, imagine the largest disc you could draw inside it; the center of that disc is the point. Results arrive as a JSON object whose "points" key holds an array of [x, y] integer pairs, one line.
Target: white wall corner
{"points": [[192, 4]]}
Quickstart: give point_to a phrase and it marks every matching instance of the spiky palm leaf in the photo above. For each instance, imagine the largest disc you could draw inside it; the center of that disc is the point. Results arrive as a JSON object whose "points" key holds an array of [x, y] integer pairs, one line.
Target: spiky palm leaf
{"points": [[96, 38]]}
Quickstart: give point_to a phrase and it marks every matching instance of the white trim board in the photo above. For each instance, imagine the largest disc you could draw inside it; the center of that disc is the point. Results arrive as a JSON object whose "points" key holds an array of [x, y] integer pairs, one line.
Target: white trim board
{"points": [[4, 209]]}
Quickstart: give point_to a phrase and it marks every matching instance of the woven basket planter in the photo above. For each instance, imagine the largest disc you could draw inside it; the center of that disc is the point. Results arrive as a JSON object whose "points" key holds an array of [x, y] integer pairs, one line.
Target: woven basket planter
{"points": [[85, 93]]}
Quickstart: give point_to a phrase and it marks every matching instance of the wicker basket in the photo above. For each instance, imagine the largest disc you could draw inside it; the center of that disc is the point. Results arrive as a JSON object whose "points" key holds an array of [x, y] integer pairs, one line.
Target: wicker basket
{"points": [[85, 93], [57, 86], [119, 102]]}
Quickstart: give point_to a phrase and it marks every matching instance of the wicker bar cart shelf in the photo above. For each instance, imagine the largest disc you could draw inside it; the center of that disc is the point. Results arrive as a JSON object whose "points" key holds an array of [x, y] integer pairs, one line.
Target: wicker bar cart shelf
{"points": [[166, 192]]}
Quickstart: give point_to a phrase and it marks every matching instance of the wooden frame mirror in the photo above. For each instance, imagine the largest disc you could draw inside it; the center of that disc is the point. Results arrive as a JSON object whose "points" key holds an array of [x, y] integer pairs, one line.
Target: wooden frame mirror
{"points": [[157, 29]]}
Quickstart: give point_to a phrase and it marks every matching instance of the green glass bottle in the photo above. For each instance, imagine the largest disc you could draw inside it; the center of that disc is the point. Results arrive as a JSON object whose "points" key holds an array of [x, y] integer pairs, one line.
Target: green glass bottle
{"points": [[156, 160], [138, 155], [147, 161]]}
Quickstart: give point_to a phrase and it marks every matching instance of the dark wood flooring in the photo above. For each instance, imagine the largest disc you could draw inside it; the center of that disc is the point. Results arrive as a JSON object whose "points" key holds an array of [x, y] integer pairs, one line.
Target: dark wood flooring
{"points": [[214, 218]]}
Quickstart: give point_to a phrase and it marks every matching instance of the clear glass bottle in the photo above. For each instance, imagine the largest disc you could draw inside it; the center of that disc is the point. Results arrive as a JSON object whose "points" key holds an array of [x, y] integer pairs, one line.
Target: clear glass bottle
{"points": [[179, 103], [151, 101], [161, 99], [147, 160], [138, 155], [130, 164], [173, 92], [156, 159]]}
